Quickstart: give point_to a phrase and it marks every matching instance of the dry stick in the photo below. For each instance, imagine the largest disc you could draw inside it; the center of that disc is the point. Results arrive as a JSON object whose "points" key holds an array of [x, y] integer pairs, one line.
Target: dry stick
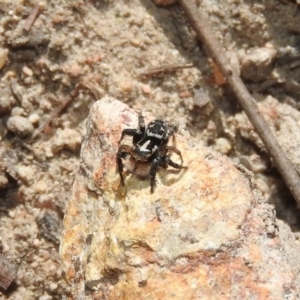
{"points": [[283, 164], [58, 110], [52, 116], [31, 18], [164, 69]]}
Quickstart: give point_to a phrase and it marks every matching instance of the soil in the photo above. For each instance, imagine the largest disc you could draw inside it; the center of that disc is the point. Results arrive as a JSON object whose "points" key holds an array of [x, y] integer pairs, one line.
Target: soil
{"points": [[53, 69]]}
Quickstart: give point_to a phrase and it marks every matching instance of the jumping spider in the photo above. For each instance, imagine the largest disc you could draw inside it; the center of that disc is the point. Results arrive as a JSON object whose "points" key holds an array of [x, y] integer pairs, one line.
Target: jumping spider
{"points": [[149, 145]]}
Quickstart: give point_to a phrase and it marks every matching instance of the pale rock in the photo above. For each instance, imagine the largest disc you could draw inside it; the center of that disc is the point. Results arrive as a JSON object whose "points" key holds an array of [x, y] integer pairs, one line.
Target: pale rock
{"points": [[201, 234], [223, 145]]}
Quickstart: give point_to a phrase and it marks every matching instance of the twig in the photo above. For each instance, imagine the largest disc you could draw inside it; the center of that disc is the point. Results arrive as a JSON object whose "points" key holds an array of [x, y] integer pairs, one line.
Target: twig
{"points": [[164, 69], [31, 18], [283, 164], [59, 109], [54, 114]]}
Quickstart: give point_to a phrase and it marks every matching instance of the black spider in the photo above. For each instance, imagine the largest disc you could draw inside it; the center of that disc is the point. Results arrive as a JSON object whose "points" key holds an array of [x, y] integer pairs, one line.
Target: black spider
{"points": [[149, 145]]}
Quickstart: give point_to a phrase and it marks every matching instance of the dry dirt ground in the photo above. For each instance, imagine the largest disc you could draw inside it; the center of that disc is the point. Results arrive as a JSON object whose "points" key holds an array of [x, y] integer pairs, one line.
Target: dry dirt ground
{"points": [[75, 52]]}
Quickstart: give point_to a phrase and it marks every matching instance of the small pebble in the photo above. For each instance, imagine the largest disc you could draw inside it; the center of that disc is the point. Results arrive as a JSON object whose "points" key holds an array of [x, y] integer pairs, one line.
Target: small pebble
{"points": [[12, 214], [146, 89], [223, 145], [74, 70], [28, 278], [10, 75], [26, 174], [135, 42], [258, 164], [6, 104], [201, 97], [66, 138], [44, 254], [36, 243], [45, 297], [245, 161], [257, 64], [3, 181], [262, 186], [19, 125], [3, 57], [126, 86], [34, 119], [50, 227], [41, 186], [184, 94], [45, 105], [93, 58], [17, 111], [53, 287], [26, 71]]}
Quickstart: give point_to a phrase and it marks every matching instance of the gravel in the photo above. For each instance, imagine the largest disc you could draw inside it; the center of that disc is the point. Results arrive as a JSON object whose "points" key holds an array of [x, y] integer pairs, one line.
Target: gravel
{"points": [[98, 48]]}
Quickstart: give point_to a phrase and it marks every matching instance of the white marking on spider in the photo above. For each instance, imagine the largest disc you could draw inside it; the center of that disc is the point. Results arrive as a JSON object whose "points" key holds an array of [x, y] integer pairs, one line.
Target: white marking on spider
{"points": [[144, 146], [156, 135]]}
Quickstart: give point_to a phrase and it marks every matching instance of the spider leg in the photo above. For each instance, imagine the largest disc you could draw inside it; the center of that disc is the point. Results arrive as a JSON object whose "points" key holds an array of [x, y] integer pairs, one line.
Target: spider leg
{"points": [[173, 149], [172, 163], [168, 160], [142, 123], [135, 133], [123, 151], [153, 170], [173, 129]]}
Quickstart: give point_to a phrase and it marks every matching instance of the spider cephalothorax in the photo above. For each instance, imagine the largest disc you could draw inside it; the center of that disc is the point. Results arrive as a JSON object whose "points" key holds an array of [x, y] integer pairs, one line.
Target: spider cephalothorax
{"points": [[149, 145]]}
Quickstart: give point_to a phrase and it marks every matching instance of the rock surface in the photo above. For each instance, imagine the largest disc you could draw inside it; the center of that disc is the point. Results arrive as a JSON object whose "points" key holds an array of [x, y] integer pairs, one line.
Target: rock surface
{"points": [[204, 233]]}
